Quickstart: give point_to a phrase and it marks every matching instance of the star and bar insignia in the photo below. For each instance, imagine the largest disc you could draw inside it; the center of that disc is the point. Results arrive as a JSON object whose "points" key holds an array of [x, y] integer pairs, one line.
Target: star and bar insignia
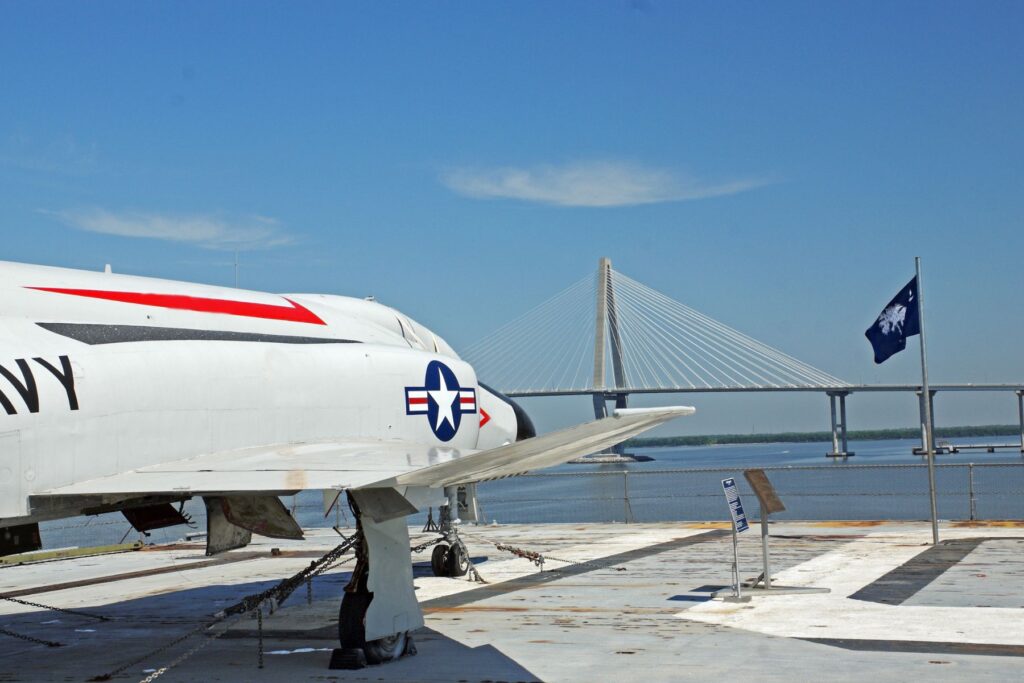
{"points": [[442, 400]]}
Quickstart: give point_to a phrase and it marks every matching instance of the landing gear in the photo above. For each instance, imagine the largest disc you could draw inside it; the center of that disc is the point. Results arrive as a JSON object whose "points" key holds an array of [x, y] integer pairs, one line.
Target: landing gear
{"points": [[458, 563], [449, 557], [379, 608], [352, 634], [449, 560], [439, 560]]}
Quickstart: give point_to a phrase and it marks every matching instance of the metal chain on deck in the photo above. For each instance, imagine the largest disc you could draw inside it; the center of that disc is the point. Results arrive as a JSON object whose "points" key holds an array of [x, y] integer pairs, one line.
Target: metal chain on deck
{"points": [[582, 563], [530, 555], [31, 639], [423, 546], [277, 594], [259, 629], [149, 655], [286, 587], [540, 558], [474, 574], [182, 657], [63, 610]]}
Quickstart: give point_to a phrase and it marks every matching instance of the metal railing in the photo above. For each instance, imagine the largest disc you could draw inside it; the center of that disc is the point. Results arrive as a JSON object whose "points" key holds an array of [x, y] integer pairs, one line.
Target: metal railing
{"points": [[966, 491]]}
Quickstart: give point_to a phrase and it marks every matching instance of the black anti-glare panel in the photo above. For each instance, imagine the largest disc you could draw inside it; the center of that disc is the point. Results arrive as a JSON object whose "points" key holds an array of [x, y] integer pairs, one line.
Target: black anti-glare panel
{"points": [[94, 334]]}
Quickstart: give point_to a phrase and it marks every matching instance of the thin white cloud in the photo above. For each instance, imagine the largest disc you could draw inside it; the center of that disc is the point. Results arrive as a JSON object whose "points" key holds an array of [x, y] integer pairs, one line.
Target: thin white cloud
{"points": [[64, 155], [591, 183], [209, 231]]}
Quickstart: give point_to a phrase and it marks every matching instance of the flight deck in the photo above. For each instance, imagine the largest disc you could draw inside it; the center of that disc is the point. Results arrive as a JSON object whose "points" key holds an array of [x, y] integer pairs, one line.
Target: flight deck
{"points": [[610, 602]]}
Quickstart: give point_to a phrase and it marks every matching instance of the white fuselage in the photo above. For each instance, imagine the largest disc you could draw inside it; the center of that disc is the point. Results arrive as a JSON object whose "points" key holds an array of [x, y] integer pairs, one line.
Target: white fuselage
{"points": [[161, 371]]}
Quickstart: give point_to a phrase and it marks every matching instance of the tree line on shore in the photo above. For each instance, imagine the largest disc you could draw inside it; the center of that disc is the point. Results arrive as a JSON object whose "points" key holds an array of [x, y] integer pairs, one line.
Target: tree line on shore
{"points": [[811, 437]]}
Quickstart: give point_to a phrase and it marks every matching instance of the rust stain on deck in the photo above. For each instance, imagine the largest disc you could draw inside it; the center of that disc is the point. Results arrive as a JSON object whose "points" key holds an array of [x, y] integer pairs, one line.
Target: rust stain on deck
{"points": [[472, 608], [553, 608]]}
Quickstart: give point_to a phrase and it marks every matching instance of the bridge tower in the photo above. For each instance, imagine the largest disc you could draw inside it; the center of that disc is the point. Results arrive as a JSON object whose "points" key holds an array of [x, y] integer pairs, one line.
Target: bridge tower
{"points": [[606, 332]]}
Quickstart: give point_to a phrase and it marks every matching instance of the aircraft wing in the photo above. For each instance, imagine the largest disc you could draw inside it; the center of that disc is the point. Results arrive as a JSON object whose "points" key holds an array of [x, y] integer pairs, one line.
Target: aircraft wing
{"points": [[286, 468], [542, 451]]}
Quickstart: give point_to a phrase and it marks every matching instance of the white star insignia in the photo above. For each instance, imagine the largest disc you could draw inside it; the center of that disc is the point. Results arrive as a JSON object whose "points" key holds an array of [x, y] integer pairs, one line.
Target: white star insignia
{"points": [[444, 398]]}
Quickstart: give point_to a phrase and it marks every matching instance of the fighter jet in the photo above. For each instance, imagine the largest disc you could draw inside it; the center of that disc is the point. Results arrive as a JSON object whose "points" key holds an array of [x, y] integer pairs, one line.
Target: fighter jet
{"points": [[133, 394]]}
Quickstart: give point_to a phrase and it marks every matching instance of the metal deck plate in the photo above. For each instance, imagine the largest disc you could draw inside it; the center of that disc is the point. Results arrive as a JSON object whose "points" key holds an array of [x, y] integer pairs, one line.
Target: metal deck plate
{"points": [[639, 608]]}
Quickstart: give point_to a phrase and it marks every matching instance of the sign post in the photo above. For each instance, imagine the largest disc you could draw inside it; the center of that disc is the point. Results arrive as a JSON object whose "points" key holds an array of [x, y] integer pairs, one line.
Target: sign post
{"points": [[770, 503], [739, 525]]}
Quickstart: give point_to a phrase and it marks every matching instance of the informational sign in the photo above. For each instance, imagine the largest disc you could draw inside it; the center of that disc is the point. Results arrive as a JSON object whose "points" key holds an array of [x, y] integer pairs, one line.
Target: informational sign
{"points": [[732, 496], [765, 492]]}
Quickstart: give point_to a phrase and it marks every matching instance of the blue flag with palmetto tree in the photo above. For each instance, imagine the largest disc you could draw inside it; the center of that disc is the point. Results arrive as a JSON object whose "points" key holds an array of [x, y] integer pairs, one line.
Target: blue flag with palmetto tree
{"points": [[897, 321]]}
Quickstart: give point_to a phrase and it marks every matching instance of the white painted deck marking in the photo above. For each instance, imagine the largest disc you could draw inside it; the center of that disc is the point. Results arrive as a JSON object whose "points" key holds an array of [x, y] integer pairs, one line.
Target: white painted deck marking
{"points": [[834, 615]]}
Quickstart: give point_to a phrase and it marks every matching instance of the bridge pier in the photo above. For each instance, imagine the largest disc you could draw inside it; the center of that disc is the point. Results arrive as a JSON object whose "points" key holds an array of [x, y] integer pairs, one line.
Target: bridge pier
{"points": [[601, 410], [839, 427], [601, 403], [607, 314]]}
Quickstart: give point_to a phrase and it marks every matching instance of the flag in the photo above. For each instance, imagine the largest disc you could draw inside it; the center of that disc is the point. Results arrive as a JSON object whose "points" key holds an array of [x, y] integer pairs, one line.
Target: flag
{"points": [[897, 321]]}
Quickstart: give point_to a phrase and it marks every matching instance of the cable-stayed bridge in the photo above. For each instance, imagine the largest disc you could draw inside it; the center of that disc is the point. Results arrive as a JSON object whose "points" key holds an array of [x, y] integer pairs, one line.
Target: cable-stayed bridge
{"points": [[609, 336], [608, 332]]}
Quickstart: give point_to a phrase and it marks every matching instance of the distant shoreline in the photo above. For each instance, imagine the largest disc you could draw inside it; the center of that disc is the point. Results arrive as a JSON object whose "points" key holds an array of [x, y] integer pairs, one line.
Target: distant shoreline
{"points": [[822, 437]]}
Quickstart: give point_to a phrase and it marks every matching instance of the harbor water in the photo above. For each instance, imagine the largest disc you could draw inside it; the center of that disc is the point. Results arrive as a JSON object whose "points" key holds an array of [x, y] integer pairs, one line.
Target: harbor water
{"points": [[883, 481]]}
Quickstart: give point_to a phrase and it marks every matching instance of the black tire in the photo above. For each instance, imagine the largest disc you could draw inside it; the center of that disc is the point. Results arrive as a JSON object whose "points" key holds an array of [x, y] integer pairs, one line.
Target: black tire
{"points": [[351, 620], [458, 563], [439, 560]]}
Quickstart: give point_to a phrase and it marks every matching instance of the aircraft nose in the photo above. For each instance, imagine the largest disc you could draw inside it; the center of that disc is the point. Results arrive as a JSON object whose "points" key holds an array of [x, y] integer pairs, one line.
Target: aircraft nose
{"points": [[524, 425], [525, 428]]}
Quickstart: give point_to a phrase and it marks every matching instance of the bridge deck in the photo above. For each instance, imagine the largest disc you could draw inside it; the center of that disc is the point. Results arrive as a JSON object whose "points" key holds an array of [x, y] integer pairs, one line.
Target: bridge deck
{"points": [[826, 389]]}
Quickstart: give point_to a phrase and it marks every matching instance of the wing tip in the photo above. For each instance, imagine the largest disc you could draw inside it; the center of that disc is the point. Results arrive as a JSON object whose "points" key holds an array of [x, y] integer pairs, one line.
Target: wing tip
{"points": [[673, 411]]}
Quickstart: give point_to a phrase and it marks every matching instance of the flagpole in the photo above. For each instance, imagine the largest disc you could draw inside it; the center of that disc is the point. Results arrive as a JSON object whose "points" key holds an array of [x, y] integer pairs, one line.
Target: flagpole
{"points": [[927, 396]]}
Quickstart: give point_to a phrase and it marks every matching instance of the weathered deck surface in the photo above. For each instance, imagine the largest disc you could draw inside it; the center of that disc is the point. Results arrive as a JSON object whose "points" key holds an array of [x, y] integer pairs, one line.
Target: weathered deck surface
{"points": [[898, 610]]}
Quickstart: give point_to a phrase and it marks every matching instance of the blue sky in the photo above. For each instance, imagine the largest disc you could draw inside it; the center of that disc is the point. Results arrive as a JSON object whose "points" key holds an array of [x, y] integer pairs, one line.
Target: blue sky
{"points": [[776, 166]]}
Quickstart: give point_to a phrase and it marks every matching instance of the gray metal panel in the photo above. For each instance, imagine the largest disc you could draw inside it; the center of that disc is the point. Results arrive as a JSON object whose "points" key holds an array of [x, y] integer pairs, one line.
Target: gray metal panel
{"points": [[394, 608]]}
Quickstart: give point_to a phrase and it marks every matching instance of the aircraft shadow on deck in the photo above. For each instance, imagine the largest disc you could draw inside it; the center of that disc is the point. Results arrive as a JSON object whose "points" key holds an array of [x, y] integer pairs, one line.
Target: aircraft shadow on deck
{"points": [[142, 624]]}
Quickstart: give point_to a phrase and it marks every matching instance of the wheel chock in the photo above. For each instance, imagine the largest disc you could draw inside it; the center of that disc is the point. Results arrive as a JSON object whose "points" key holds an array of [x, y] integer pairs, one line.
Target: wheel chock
{"points": [[347, 658]]}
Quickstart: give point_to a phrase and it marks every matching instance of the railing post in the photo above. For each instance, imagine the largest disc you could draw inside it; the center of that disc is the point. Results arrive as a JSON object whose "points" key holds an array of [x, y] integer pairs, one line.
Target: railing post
{"points": [[970, 487], [625, 496], [1020, 415]]}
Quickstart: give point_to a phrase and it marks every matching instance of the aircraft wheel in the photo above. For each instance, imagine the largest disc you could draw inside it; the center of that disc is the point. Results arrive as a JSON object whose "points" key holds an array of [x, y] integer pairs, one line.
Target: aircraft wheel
{"points": [[439, 560], [385, 649], [458, 563], [350, 619]]}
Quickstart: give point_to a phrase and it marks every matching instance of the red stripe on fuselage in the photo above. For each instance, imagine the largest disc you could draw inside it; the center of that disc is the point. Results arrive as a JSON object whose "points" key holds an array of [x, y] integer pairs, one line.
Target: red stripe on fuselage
{"points": [[295, 313], [417, 401]]}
